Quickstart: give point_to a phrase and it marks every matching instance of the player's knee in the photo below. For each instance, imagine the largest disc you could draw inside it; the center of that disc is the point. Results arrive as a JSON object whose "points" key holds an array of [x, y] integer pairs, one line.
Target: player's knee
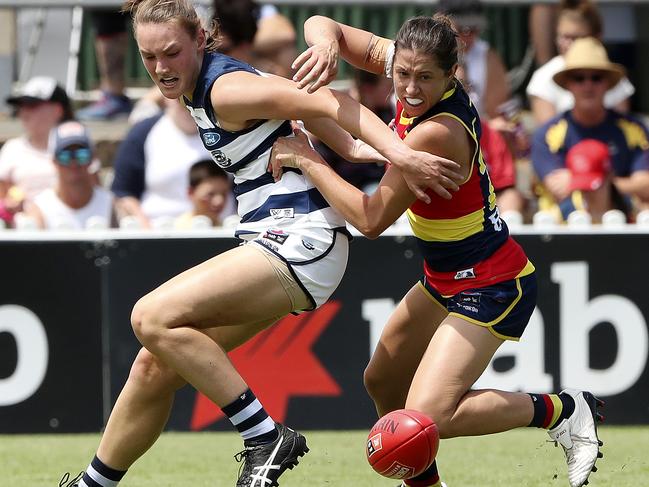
{"points": [[152, 374], [441, 414], [147, 321], [372, 382], [379, 389]]}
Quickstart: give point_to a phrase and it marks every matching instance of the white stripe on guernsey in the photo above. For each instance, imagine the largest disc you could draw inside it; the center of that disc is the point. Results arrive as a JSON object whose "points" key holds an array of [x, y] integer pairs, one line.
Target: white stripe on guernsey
{"points": [[248, 411], [244, 144], [264, 427], [100, 479]]}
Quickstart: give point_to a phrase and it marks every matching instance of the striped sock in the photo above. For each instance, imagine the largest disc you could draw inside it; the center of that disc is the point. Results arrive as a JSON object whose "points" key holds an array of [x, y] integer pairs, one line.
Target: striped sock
{"points": [[551, 409], [251, 419], [100, 475], [429, 478]]}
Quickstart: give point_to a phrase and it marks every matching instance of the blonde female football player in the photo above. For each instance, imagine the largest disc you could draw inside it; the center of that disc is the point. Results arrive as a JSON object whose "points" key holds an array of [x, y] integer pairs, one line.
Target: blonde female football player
{"points": [[187, 325]]}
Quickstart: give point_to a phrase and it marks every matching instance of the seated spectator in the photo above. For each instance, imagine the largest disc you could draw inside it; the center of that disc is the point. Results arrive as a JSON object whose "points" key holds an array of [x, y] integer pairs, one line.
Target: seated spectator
{"points": [[502, 170], [591, 185], [258, 35], [152, 166], [276, 40], [26, 166], [482, 69], [576, 19], [75, 198], [587, 75], [483, 74], [209, 190]]}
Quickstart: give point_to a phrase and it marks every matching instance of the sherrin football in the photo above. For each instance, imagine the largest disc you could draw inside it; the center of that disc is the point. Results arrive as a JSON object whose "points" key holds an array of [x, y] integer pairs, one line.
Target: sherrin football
{"points": [[402, 444]]}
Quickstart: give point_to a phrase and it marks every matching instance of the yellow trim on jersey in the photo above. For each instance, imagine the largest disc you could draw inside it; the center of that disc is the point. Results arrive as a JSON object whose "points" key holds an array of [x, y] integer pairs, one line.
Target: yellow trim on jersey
{"points": [[403, 120], [447, 94], [446, 230], [527, 270], [556, 135], [634, 134], [558, 408], [430, 296]]}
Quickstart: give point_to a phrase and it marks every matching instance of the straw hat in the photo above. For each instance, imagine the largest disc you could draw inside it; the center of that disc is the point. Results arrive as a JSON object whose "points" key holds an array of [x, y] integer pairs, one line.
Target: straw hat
{"points": [[588, 53]]}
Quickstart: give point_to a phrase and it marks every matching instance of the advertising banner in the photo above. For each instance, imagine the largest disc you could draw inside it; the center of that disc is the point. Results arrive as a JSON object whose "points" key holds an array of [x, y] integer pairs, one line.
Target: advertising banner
{"points": [[66, 344]]}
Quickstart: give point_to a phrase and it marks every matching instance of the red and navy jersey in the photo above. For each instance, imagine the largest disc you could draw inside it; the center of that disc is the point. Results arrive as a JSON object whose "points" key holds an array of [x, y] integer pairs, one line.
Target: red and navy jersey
{"points": [[464, 242]]}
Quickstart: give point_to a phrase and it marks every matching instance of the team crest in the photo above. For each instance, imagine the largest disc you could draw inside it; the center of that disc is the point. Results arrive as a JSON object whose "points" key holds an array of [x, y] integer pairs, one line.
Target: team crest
{"points": [[211, 138], [221, 159]]}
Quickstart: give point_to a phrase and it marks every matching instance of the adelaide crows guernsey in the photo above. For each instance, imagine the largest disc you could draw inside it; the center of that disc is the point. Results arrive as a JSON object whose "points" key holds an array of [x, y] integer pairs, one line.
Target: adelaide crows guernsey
{"points": [[262, 203], [464, 242]]}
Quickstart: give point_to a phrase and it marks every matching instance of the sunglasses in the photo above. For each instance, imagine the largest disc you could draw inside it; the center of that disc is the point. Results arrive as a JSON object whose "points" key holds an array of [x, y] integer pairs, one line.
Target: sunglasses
{"points": [[580, 78], [82, 156]]}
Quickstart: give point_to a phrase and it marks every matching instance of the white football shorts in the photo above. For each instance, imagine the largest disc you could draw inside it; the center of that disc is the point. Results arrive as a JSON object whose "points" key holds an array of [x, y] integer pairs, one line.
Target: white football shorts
{"points": [[315, 257]]}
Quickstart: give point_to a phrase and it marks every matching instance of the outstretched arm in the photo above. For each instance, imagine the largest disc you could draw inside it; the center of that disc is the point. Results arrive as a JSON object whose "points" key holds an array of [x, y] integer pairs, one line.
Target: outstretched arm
{"points": [[342, 143], [241, 97], [372, 214]]}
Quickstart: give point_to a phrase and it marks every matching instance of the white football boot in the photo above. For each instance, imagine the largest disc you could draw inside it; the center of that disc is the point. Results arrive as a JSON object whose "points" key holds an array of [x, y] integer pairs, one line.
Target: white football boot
{"points": [[577, 435]]}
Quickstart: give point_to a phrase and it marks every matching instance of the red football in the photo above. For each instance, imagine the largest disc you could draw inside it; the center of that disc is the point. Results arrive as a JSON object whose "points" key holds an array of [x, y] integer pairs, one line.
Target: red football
{"points": [[402, 444]]}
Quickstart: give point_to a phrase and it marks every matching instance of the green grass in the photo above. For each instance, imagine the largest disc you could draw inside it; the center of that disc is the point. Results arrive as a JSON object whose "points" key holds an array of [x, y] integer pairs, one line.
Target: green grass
{"points": [[518, 458]]}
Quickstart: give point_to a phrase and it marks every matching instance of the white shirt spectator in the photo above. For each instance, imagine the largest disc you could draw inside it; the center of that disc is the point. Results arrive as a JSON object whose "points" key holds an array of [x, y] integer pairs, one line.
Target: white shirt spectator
{"points": [[56, 213], [29, 169], [152, 165]]}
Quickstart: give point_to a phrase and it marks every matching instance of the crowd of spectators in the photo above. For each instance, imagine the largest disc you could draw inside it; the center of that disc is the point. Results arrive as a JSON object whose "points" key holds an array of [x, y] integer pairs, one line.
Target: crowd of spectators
{"points": [[581, 151]]}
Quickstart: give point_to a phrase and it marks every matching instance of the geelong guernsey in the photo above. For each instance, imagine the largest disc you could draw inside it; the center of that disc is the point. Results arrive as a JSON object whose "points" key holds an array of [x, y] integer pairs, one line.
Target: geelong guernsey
{"points": [[292, 201]]}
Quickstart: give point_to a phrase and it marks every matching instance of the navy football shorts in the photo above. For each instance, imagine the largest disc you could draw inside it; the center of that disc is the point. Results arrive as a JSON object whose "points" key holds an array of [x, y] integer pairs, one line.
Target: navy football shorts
{"points": [[504, 308]]}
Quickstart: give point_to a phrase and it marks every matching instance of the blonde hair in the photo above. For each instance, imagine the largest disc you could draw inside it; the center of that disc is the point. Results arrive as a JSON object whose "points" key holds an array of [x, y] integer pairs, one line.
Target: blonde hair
{"points": [[162, 11]]}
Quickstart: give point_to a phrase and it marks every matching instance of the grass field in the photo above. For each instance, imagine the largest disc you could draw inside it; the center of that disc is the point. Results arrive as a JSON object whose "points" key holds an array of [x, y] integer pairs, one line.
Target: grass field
{"points": [[518, 458]]}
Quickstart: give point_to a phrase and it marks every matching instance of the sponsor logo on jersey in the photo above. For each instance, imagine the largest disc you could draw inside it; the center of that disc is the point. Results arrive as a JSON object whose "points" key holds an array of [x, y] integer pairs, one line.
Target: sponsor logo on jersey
{"points": [[374, 444], [279, 213], [220, 158], [308, 245], [465, 274], [470, 297], [211, 138], [277, 236]]}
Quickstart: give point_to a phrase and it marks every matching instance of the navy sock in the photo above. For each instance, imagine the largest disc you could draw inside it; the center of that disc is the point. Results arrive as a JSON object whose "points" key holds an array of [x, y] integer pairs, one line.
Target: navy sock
{"points": [[100, 475], [430, 477], [250, 418]]}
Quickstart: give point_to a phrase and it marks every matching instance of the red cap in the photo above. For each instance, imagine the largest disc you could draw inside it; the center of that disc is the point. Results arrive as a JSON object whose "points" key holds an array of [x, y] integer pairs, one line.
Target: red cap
{"points": [[589, 163]]}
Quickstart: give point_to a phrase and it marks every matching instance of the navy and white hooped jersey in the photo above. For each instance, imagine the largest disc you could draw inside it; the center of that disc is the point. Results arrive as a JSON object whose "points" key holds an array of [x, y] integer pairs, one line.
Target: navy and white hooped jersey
{"points": [[293, 200]]}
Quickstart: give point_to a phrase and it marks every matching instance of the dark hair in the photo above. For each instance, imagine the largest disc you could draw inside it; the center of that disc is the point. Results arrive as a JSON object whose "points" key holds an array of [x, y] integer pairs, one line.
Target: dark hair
{"points": [[434, 36], [204, 169], [237, 19], [161, 11], [582, 11]]}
